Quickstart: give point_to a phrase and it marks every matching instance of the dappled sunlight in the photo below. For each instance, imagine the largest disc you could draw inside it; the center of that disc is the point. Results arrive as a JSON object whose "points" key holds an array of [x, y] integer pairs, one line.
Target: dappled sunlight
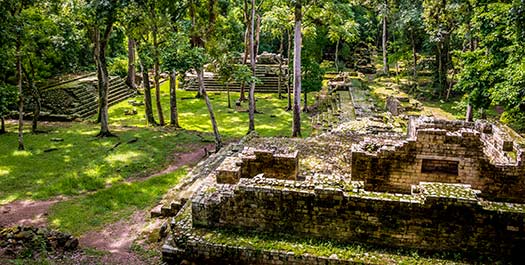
{"points": [[4, 171], [67, 158], [22, 153], [127, 157], [56, 222], [8, 199], [93, 171], [112, 180]]}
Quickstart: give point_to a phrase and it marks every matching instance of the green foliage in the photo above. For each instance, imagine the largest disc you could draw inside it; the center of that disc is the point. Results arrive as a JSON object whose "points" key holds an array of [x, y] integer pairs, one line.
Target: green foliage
{"points": [[118, 66], [180, 56], [312, 79], [477, 78], [8, 97], [514, 118]]}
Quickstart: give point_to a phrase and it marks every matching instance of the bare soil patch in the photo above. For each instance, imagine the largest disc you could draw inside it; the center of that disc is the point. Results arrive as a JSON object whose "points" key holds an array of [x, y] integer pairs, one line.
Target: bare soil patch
{"points": [[25, 212]]}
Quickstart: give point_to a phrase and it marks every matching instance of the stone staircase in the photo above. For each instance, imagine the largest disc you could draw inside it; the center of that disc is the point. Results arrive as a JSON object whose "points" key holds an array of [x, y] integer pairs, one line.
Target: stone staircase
{"points": [[78, 98], [87, 104], [268, 75]]}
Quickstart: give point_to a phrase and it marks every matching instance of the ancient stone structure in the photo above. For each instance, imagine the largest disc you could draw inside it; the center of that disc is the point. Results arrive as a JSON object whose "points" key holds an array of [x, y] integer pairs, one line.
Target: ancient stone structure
{"points": [[480, 154], [448, 186], [267, 72], [444, 217], [76, 98], [252, 162]]}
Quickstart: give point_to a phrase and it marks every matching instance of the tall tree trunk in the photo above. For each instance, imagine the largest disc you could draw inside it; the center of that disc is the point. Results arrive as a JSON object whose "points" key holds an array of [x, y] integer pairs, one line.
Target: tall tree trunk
{"points": [[468, 115], [130, 79], [2, 127], [257, 34], [228, 93], [218, 141], [156, 69], [174, 114], [280, 72], [385, 40], [336, 55], [442, 61], [147, 96], [247, 33], [414, 54], [288, 89], [305, 108], [35, 94], [296, 127], [103, 77], [20, 95], [251, 96]]}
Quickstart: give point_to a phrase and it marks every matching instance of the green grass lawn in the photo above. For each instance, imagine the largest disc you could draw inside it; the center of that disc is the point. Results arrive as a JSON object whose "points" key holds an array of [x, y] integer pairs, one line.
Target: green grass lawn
{"points": [[94, 171], [273, 119], [82, 162], [85, 163]]}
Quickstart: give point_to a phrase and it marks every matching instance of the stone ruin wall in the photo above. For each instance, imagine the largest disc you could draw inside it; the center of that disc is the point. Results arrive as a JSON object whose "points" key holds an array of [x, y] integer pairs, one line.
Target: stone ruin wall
{"points": [[436, 223], [253, 162], [445, 151]]}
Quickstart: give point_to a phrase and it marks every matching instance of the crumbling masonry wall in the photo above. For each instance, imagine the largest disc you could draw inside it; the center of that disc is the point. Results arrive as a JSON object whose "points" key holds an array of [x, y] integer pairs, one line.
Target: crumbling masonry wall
{"points": [[480, 154], [252, 162], [431, 220]]}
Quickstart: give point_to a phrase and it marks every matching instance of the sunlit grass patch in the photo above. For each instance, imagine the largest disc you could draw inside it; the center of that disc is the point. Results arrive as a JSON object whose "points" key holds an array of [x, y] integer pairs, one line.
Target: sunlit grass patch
{"points": [[82, 162], [93, 211]]}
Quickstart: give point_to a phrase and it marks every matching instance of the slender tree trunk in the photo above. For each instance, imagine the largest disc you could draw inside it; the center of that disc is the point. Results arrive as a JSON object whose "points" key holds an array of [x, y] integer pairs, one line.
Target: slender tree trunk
{"points": [[2, 127], [336, 55], [130, 79], [251, 96], [442, 56], [305, 108], [36, 98], [103, 85], [384, 42], [246, 47], [468, 115], [296, 128], [289, 90], [20, 95], [147, 96], [103, 77], [414, 54], [257, 34], [228, 92], [35, 94], [174, 114], [280, 72], [36, 113], [156, 69], [218, 141]]}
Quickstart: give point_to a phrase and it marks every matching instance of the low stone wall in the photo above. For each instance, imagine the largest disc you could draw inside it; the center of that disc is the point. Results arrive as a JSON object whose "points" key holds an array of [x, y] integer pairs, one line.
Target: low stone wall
{"points": [[253, 162], [446, 218], [209, 253], [444, 151]]}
